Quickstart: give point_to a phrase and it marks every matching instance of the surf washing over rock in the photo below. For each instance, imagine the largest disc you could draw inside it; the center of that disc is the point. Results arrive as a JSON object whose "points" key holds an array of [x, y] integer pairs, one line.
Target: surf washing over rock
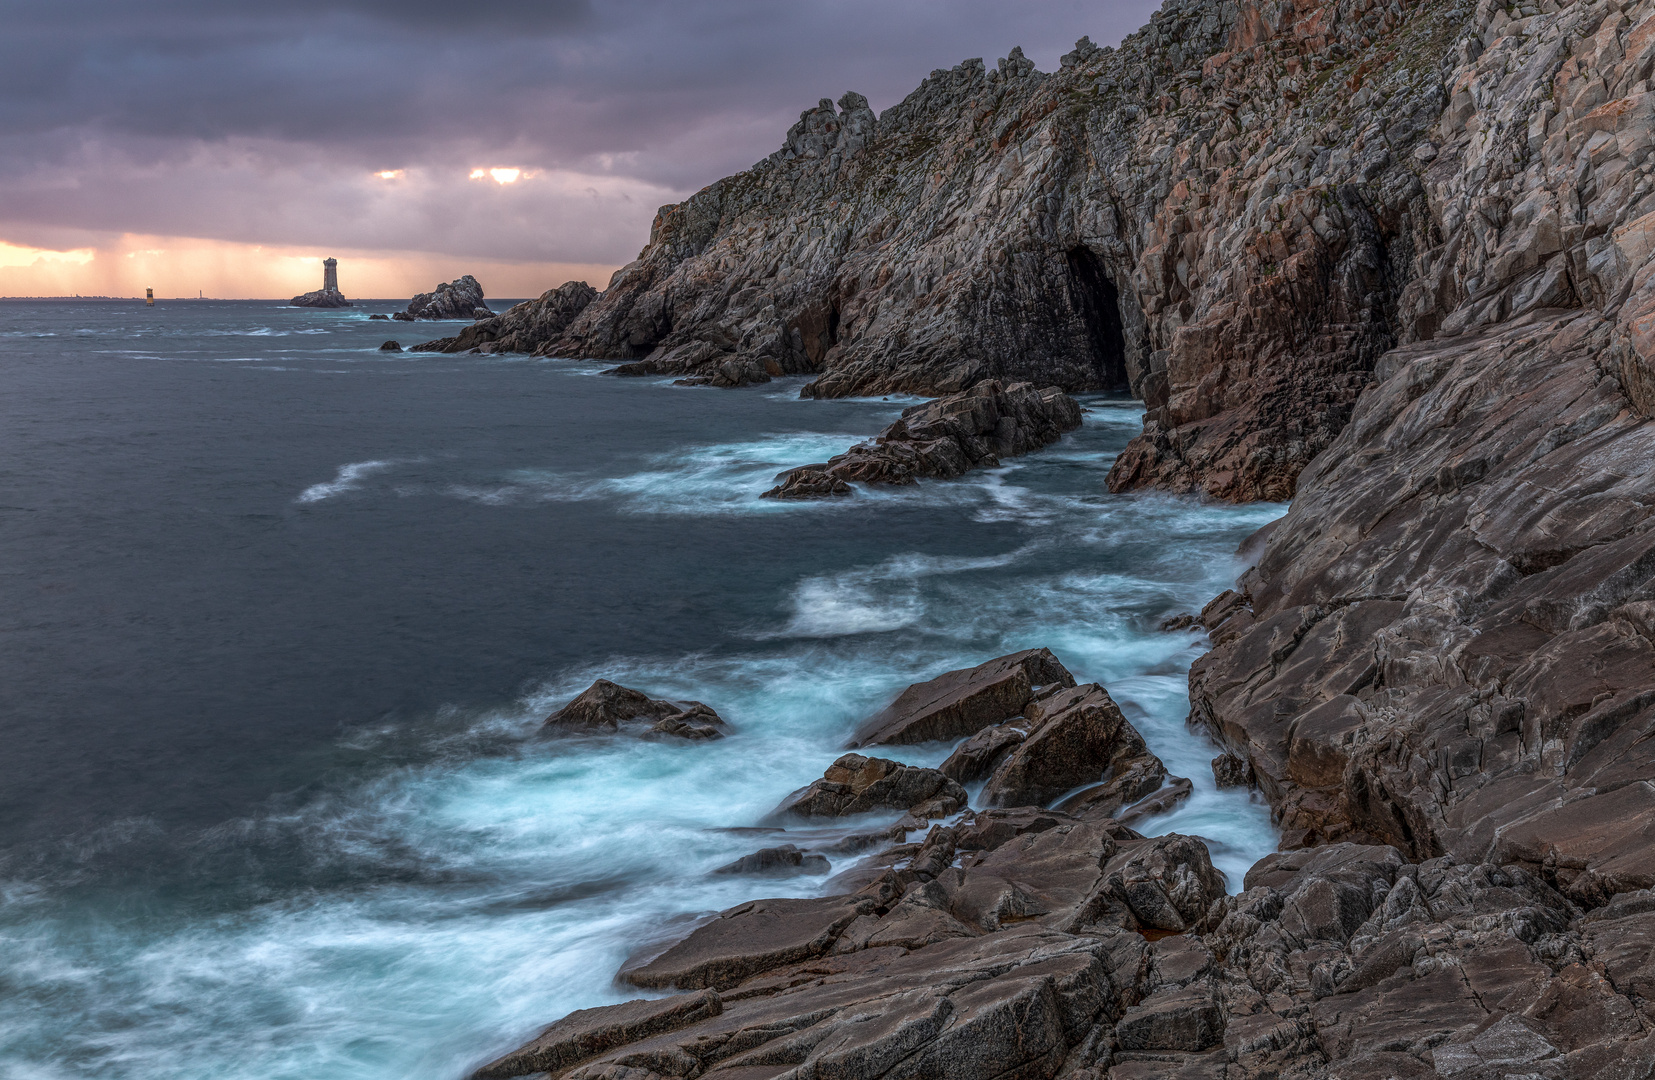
{"points": [[1391, 260]]}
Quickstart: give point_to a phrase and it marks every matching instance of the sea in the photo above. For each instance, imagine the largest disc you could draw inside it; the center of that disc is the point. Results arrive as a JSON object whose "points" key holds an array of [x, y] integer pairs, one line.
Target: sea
{"points": [[282, 614]]}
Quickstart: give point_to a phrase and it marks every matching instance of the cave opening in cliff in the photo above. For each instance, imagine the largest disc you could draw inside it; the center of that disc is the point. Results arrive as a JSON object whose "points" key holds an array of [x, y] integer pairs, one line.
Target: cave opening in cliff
{"points": [[1099, 305]]}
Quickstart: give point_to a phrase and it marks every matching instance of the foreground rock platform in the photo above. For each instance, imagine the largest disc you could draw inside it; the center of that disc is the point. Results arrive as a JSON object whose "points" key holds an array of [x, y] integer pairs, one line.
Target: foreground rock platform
{"points": [[943, 438]]}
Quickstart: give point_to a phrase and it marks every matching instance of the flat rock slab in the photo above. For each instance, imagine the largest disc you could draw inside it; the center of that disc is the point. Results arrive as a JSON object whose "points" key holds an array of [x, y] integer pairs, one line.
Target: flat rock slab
{"points": [[963, 702], [748, 939], [587, 1032]]}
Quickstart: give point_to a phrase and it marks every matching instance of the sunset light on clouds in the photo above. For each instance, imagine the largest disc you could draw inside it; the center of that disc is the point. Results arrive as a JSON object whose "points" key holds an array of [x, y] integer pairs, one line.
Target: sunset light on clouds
{"points": [[241, 146]]}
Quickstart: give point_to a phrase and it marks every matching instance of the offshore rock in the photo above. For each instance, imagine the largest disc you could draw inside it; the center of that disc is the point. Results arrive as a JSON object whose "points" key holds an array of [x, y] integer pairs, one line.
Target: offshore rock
{"points": [[606, 707], [321, 298], [943, 438], [529, 327], [457, 299]]}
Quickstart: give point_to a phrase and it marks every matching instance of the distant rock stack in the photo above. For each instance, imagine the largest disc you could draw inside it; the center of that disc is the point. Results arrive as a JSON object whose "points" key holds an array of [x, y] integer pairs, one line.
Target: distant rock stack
{"points": [[461, 298], [328, 296]]}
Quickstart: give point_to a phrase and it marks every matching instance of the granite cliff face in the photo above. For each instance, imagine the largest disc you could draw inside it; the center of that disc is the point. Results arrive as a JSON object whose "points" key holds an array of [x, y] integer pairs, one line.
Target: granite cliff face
{"points": [[1219, 216], [1397, 262]]}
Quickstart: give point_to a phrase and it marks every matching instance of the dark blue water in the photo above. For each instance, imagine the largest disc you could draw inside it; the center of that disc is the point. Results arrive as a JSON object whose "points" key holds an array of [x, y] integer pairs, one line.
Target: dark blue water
{"points": [[282, 612]]}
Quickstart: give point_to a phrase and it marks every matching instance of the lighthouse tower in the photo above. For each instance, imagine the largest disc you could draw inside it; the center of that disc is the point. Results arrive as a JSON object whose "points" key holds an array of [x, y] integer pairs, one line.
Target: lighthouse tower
{"points": [[330, 275]]}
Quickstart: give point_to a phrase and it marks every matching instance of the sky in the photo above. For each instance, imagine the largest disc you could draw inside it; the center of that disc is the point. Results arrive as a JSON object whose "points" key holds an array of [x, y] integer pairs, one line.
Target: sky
{"points": [[225, 147]]}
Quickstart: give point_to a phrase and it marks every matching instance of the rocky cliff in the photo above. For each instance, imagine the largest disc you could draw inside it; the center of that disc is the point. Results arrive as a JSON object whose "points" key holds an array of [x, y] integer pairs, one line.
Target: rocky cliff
{"points": [[1220, 216], [461, 298], [1392, 261]]}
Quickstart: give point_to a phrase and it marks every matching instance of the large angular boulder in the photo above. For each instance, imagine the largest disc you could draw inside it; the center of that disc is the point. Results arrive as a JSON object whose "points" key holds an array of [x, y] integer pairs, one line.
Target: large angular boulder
{"points": [[959, 703], [587, 1032], [606, 707], [859, 785], [1077, 736]]}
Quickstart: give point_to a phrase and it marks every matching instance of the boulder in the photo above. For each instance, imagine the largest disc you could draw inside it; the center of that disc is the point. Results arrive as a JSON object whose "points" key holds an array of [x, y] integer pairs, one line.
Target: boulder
{"points": [[390, 346], [605, 706], [1077, 736], [942, 438], [378, 316], [859, 785], [457, 299], [960, 703], [978, 757]]}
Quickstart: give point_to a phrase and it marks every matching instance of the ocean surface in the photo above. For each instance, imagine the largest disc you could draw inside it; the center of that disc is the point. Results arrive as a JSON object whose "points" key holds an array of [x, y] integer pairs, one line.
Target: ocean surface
{"points": [[282, 614]]}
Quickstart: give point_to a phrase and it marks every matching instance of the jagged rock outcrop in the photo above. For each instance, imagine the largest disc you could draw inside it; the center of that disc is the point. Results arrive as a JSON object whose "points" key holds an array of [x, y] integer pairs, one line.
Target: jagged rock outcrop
{"points": [[608, 707], [522, 328], [858, 785], [1221, 216], [461, 298], [943, 438]]}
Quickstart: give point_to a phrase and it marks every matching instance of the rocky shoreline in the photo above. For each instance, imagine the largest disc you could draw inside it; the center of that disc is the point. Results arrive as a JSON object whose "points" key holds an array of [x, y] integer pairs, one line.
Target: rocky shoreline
{"points": [[1393, 261]]}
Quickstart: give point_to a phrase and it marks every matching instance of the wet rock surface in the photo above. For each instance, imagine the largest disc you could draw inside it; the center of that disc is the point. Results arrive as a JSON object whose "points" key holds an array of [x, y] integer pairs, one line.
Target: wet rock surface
{"points": [[461, 298], [529, 327], [609, 707], [943, 438], [858, 785], [958, 704]]}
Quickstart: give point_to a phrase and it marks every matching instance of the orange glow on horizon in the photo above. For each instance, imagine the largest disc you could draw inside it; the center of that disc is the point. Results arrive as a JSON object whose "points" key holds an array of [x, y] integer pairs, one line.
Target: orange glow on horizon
{"points": [[183, 266]]}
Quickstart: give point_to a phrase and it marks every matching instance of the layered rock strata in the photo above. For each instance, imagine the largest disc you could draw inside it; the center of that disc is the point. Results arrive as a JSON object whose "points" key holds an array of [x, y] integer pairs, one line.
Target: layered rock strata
{"points": [[461, 298], [528, 327], [943, 439]]}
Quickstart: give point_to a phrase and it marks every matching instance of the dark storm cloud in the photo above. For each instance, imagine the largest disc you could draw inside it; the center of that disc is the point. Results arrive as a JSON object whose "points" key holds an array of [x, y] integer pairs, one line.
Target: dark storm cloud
{"points": [[231, 120]]}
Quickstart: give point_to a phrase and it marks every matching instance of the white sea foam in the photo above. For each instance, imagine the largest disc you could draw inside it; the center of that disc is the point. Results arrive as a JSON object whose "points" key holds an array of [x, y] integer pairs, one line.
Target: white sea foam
{"points": [[349, 478], [463, 902]]}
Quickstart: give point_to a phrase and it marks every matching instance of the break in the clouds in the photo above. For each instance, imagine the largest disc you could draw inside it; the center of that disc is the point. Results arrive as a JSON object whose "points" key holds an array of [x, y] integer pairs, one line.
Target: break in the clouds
{"points": [[384, 127]]}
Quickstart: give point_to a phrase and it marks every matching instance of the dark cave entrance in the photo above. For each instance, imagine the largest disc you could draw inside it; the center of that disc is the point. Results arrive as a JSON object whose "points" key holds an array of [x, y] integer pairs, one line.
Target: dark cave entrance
{"points": [[1099, 306]]}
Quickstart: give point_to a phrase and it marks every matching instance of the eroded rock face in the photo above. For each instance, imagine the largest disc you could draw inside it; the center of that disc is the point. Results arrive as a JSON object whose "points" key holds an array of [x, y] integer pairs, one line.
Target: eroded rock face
{"points": [[461, 298], [522, 328], [943, 438], [1220, 215], [605, 707]]}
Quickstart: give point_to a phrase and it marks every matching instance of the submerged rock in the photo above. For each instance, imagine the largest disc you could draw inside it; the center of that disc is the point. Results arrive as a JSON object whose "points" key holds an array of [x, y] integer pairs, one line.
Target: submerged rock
{"points": [[379, 316], [457, 299], [390, 346], [606, 706], [858, 785], [784, 861], [942, 438]]}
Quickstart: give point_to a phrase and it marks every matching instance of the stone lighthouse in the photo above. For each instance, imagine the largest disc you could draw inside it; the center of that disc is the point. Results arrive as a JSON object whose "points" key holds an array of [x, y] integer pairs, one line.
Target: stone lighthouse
{"points": [[328, 295]]}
